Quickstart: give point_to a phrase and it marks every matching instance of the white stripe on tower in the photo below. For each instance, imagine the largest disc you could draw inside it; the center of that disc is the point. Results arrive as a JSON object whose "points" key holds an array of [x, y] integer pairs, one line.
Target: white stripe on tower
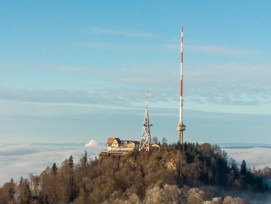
{"points": [[181, 80]]}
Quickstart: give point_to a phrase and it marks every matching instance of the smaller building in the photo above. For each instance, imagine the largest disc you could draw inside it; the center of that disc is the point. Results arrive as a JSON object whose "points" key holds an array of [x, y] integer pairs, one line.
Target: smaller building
{"points": [[119, 147], [115, 146]]}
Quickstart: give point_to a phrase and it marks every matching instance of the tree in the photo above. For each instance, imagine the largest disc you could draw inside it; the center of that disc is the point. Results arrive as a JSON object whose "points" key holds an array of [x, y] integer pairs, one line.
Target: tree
{"points": [[71, 179], [71, 162], [84, 160], [155, 140], [7, 192], [243, 175], [164, 141], [243, 170], [66, 181], [232, 200], [24, 191], [196, 196], [49, 193], [139, 177], [54, 169], [35, 186]]}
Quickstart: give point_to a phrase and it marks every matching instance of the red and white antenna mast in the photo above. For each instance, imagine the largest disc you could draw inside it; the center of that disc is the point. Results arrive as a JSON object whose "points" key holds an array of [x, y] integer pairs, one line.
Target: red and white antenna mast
{"points": [[180, 126]]}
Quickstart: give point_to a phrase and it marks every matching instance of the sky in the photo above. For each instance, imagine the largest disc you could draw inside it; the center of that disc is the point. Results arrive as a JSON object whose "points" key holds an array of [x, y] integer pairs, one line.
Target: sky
{"points": [[77, 71]]}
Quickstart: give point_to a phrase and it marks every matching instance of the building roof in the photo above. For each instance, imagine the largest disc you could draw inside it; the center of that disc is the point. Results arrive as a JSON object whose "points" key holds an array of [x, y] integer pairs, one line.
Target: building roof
{"points": [[110, 140]]}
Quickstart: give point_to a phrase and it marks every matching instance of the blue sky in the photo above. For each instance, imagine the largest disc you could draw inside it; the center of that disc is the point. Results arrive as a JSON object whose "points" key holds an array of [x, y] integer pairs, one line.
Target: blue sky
{"points": [[72, 71]]}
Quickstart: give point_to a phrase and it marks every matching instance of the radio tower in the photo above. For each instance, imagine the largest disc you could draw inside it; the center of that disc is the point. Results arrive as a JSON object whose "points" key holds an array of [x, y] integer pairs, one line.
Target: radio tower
{"points": [[180, 126], [146, 133]]}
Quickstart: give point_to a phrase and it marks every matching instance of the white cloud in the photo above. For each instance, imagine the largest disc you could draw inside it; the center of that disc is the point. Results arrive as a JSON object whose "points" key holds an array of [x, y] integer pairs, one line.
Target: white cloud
{"points": [[229, 83], [70, 69], [211, 49], [91, 143], [96, 30], [49, 102], [218, 50]]}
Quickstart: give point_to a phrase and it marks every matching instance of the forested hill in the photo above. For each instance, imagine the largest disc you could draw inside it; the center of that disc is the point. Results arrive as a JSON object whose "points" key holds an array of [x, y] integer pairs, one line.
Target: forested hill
{"points": [[188, 173]]}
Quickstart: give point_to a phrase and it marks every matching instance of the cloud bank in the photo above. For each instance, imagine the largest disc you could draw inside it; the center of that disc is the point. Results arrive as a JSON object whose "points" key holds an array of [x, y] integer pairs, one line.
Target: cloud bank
{"points": [[23, 160], [91, 143], [255, 157]]}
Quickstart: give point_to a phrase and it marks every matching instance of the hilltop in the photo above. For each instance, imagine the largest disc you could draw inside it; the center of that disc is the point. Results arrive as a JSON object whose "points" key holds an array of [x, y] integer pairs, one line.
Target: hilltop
{"points": [[178, 173]]}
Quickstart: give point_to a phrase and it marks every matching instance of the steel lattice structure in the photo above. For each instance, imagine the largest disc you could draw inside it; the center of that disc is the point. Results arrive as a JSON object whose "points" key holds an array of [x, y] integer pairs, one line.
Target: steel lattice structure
{"points": [[146, 133]]}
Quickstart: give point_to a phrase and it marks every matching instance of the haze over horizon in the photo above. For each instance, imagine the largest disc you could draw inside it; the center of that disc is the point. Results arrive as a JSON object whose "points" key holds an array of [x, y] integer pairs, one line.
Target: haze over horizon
{"points": [[74, 71]]}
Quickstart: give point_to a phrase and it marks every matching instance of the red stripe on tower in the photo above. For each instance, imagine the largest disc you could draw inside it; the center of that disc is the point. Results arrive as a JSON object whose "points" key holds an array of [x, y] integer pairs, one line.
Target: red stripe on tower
{"points": [[181, 87]]}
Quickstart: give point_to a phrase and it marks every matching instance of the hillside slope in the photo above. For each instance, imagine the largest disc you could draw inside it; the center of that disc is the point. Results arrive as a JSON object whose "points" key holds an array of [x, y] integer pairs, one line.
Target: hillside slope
{"points": [[188, 173]]}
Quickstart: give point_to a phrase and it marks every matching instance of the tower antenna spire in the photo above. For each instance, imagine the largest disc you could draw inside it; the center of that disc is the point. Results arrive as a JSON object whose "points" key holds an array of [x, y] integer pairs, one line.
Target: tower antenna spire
{"points": [[180, 126], [146, 133]]}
